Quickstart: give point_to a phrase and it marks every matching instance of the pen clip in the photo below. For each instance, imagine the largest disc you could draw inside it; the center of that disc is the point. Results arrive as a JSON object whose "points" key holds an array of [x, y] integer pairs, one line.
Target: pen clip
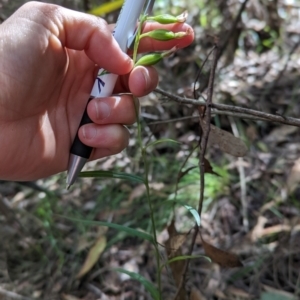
{"points": [[147, 10]]}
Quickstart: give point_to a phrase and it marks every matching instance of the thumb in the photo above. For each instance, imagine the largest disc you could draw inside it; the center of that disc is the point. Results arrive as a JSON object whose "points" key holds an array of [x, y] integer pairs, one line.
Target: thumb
{"points": [[80, 31]]}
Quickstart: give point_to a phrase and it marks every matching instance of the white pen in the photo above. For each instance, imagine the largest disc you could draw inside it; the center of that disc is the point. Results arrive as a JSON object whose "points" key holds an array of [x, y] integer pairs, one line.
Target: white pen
{"points": [[105, 82]]}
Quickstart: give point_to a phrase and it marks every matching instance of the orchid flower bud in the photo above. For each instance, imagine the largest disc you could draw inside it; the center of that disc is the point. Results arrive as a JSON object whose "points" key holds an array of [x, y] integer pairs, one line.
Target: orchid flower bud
{"points": [[163, 34], [168, 19], [153, 58]]}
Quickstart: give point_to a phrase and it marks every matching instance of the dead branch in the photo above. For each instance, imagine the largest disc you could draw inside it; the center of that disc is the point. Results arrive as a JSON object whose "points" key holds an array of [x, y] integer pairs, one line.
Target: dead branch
{"points": [[235, 111], [232, 29], [204, 120], [12, 295]]}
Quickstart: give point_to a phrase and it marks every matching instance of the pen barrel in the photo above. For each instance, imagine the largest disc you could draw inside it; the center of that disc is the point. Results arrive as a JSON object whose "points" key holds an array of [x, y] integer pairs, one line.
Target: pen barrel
{"points": [[78, 148], [105, 82]]}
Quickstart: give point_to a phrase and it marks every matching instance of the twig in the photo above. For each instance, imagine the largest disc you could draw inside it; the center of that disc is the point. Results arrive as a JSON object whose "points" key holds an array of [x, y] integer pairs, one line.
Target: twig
{"points": [[232, 29], [95, 290], [204, 141], [206, 127], [243, 182], [199, 73], [12, 295], [267, 92], [213, 112], [237, 110]]}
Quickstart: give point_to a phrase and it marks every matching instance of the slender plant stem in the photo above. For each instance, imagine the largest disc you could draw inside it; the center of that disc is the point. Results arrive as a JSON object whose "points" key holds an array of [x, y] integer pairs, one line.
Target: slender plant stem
{"points": [[146, 164]]}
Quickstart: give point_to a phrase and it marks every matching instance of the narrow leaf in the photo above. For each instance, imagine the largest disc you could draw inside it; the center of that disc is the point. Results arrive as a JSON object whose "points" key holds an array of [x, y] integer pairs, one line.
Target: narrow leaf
{"points": [[221, 257], [192, 210], [92, 256], [147, 284], [111, 174], [276, 296], [128, 230], [195, 214], [162, 141], [184, 257], [106, 8]]}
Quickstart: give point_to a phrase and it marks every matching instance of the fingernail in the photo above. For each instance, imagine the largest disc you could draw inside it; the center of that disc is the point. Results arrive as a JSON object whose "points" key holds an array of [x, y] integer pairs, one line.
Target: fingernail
{"points": [[128, 59], [102, 109], [145, 74], [89, 132]]}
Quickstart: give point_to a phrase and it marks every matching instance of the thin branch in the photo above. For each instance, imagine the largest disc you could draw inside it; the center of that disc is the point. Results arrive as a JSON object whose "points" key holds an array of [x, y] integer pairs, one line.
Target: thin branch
{"points": [[206, 126], [200, 71], [204, 141], [232, 29], [235, 110], [213, 113], [12, 295], [243, 183]]}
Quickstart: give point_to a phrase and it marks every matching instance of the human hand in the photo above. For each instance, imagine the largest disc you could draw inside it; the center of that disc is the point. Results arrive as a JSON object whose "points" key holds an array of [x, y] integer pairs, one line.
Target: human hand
{"points": [[49, 57]]}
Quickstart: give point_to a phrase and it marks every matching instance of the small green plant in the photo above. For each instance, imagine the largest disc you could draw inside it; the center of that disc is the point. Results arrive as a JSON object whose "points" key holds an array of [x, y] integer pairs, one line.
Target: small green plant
{"points": [[146, 60]]}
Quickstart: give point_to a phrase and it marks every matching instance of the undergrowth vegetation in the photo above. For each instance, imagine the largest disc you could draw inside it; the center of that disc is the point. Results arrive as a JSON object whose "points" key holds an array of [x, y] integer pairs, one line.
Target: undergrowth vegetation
{"points": [[204, 203]]}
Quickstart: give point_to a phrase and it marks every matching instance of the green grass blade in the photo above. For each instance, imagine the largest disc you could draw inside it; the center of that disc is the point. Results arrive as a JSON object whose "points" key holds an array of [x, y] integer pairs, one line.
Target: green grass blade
{"points": [[130, 231], [106, 8], [183, 257], [195, 214], [276, 296], [192, 210], [147, 284], [161, 141], [111, 174]]}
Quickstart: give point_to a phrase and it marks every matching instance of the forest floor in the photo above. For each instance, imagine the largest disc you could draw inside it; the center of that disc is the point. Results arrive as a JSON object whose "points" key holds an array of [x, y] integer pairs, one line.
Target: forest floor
{"points": [[50, 247]]}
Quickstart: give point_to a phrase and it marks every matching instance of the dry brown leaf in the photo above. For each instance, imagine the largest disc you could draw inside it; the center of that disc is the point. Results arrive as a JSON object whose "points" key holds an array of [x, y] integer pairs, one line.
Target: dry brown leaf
{"points": [[196, 294], [284, 294], [177, 267], [236, 293], [293, 179], [208, 168], [280, 134], [68, 297], [92, 256], [221, 257], [175, 243], [226, 141], [137, 192]]}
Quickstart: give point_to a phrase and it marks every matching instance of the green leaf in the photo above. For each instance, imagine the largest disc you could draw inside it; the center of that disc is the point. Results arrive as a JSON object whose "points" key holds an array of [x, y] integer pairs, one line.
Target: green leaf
{"points": [[184, 257], [128, 230], [106, 8], [111, 174], [93, 256], [147, 284], [276, 296], [162, 141], [195, 214], [192, 210]]}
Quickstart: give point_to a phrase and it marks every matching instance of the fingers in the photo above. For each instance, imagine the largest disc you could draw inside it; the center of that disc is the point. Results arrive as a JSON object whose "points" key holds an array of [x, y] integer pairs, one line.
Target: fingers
{"points": [[105, 139], [107, 135], [140, 81], [79, 31], [113, 110], [147, 44]]}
